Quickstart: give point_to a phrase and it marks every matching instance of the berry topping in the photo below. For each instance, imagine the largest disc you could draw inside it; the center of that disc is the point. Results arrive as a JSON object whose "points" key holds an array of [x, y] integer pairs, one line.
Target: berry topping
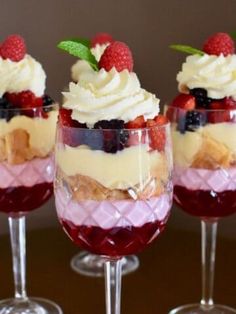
{"points": [[137, 123], [161, 120], [200, 94], [25, 99], [66, 120], [229, 103], [114, 139], [117, 55], [220, 113], [101, 38], [157, 135], [184, 101], [219, 43], [193, 120], [47, 100], [13, 48], [7, 114], [109, 124]]}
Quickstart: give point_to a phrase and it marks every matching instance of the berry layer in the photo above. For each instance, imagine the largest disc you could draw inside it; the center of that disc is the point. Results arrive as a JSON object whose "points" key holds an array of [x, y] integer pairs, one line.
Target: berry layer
{"points": [[111, 214], [21, 199], [115, 242], [217, 180], [210, 146], [28, 174]]}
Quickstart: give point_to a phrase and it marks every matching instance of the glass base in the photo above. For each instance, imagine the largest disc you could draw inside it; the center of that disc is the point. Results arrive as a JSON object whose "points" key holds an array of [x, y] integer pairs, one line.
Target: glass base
{"points": [[29, 306], [92, 265], [199, 309]]}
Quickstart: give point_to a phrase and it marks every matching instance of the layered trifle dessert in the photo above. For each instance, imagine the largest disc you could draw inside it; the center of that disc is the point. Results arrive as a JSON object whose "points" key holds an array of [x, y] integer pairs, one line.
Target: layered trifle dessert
{"points": [[113, 190], [203, 117], [27, 130]]}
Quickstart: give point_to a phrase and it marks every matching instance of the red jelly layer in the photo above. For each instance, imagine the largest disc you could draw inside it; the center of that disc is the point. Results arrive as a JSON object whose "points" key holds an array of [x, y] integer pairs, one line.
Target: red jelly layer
{"points": [[205, 203], [117, 241], [23, 199]]}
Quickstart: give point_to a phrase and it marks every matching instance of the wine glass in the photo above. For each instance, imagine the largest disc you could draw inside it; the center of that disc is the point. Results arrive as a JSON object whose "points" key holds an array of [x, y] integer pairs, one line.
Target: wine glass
{"points": [[204, 146], [92, 265], [26, 183], [112, 204]]}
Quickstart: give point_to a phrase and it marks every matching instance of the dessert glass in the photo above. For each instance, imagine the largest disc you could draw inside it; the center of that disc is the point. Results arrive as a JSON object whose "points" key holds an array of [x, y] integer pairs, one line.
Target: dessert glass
{"points": [[204, 180], [26, 183], [129, 219], [86, 263]]}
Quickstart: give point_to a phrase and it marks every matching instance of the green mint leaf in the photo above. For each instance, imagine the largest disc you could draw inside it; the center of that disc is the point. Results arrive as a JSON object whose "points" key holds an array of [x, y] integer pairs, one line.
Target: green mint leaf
{"points": [[233, 35], [187, 49], [83, 41], [78, 49]]}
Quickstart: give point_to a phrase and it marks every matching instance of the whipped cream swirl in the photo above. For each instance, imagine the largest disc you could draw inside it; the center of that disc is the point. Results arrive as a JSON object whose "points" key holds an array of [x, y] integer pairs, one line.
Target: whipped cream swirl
{"points": [[26, 74], [109, 95], [216, 74], [83, 66]]}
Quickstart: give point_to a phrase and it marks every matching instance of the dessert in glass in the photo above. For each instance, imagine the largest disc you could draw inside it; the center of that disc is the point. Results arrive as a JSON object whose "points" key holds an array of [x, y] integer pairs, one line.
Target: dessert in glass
{"points": [[86, 263], [27, 136], [113, 186], [203, 125]]}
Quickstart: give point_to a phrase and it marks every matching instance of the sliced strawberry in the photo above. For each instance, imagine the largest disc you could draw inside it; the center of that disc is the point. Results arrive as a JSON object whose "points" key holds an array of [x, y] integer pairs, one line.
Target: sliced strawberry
{"points": [[229, 103], [219, 114], [160, 119], [137, 123], [184, 101], [157, 135]]}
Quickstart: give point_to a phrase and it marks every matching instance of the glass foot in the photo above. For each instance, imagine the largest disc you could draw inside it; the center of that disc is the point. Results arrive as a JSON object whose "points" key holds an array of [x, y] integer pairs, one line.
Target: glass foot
{"points": [[199, 309], [92, 265], [29, 306]]}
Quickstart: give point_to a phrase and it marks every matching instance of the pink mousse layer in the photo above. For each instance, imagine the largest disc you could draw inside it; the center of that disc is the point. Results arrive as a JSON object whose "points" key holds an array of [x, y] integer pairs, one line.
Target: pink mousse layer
{"points": [[36, 171], [218, 180], [109, 214]]}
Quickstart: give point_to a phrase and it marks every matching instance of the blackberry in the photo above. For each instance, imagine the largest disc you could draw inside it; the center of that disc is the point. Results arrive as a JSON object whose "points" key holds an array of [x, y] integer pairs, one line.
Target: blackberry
{"points": [[7, 114], [194, 119], [115, 137], [200, 95], [47, 101], [109, 124]]}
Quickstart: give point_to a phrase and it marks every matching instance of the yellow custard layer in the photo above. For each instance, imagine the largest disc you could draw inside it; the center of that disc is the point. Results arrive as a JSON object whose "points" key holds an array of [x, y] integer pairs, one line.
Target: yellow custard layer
{"points": [[127, 168], [186, 146], [41, 131]]}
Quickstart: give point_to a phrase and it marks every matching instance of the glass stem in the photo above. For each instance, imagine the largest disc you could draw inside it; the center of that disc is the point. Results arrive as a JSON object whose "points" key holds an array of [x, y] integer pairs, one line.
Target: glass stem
{"points": [[113, 286], [209, 232], [17, 233]]}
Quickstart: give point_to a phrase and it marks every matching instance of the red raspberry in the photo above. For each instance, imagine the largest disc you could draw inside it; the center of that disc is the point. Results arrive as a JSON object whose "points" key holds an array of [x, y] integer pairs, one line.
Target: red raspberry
{"points": [[219, 43], [65, 117], [27, 99], [12, 98], [101, 38], [13, 48], [117, 55]]}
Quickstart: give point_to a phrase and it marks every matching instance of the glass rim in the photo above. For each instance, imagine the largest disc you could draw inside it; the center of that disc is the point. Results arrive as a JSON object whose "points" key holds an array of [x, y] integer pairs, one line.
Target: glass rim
{"points": [[164, 126], [198, 109], [54, 105]]}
